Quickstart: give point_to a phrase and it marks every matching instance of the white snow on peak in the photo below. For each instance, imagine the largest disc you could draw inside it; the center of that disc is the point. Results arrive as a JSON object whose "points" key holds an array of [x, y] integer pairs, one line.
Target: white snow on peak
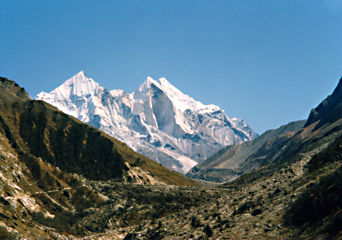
{"points": [[79, 85], [77, 88], [146, 85], [180, 100], [157, 120]]}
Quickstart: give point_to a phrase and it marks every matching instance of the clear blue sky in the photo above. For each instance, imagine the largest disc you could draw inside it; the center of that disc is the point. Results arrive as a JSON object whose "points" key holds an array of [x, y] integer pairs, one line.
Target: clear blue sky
{"points": [[268, 62]]}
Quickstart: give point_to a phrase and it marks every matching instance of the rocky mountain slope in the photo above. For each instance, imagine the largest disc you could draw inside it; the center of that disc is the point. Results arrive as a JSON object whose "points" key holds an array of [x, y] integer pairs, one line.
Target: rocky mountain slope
{"points": [[235, 160], [308, 172], [297, 195], [46, 159], [157, 120]]}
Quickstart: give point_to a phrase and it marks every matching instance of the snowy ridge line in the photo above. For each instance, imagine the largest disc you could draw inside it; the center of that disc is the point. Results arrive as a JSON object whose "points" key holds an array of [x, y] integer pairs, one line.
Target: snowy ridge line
{"points": [[157, 120]]}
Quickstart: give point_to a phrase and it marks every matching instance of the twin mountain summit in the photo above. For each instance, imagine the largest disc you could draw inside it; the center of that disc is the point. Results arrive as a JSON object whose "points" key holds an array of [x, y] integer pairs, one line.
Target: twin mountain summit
{"points": [[157, 120], [85, 162]]}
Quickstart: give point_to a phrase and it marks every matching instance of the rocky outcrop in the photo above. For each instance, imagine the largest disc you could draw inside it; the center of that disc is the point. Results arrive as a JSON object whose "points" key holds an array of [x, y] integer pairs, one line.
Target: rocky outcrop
{"points": [[328, 110]]}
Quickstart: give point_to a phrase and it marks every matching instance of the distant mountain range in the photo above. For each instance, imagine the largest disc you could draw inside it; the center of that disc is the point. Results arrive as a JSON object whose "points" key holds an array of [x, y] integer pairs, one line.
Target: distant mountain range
{"points": [[274, 146], [233, 161], [157, 120]]}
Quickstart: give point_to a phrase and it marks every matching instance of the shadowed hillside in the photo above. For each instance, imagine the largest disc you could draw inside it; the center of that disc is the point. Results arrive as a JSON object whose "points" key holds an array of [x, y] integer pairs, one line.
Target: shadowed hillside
{"points": [[57, 182]]}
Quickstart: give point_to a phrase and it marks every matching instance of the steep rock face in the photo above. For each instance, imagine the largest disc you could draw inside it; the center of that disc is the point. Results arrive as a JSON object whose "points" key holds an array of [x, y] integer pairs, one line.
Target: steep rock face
{"points": [[328, 110], [233, 161], [157, 120]]}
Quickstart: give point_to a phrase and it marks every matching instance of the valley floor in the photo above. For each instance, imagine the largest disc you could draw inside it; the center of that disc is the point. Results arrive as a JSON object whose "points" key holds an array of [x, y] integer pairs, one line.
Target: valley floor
{"points": [[238, 210], [233, 211]]}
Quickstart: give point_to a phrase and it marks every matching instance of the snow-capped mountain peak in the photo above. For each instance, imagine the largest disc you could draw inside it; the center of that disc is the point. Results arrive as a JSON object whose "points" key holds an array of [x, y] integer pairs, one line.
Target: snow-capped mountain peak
{"points": [[79, 88], [79, 85], [157, 120], [180, 100], [146, 84]]}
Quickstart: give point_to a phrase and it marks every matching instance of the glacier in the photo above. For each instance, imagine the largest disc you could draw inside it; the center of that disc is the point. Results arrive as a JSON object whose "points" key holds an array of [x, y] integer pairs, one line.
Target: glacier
{"points": [[157, 120]]}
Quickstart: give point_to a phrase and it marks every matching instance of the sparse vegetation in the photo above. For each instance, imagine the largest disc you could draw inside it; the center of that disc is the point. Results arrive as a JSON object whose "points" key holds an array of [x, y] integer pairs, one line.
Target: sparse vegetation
{"points": [[45, 195], [318, 201]]}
